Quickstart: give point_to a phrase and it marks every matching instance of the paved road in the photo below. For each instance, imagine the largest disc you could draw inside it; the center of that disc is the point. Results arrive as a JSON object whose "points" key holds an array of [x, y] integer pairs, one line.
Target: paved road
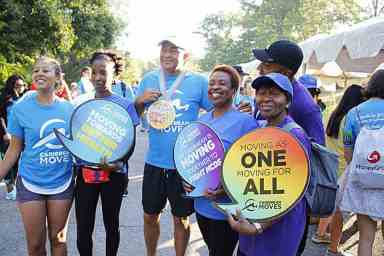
{"points": [[12, 241]]}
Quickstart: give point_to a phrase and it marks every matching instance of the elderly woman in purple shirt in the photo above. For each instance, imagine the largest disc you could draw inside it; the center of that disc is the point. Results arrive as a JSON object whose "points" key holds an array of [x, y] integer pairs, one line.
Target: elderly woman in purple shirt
{"points": [[280, 237]]}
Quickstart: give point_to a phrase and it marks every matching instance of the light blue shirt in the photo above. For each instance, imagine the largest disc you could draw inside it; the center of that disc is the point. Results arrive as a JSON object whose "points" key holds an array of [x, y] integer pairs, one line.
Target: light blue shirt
{"points": [[123, 90], [229, 127], [44, 162], [191, 95], [369, 113]]}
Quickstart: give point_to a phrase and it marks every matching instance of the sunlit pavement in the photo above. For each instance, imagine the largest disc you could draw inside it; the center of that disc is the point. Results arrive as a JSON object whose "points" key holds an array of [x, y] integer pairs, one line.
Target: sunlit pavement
{"points": [[12, 242]]}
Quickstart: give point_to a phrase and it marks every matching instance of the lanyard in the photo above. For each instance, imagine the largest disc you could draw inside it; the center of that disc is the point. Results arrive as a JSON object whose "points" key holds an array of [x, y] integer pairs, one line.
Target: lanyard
{"points": [[174, 86]]}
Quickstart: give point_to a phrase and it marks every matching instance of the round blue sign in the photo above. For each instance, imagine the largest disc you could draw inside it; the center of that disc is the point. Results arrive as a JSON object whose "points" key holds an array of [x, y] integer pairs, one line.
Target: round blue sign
{"points": [[99, 128]]}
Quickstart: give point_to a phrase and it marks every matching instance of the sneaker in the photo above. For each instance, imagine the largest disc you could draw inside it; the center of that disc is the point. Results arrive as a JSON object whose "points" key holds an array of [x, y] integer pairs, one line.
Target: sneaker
{"points": [[324, 239], [11, 195], [339, 253], [125, 194]]}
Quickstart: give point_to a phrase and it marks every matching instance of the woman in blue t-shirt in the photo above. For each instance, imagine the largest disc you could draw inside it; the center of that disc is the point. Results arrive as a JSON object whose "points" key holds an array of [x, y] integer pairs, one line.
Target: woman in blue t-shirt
{"points": [[45, 184], [106, 180], [280, 237], [363, 152], [229, 124]]}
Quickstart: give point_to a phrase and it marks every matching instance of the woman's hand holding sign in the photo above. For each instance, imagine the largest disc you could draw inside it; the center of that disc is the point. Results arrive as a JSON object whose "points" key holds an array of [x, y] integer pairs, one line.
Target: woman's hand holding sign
{"points": [[241, 225], [110, 167], [213, 194]]}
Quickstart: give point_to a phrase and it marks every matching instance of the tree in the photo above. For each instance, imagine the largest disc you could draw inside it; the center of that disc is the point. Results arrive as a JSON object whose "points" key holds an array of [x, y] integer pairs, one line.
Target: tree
{"points": [[374, 8], [68, 30], [261, 24]]}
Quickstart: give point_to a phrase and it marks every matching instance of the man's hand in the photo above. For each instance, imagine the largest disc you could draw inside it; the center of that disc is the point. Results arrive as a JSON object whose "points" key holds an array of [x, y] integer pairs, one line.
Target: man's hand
{"points": [[148, 96]]}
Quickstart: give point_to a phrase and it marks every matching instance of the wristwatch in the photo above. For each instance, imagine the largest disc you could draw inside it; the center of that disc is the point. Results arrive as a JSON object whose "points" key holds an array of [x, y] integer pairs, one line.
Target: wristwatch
{"points": [[258, 227]]}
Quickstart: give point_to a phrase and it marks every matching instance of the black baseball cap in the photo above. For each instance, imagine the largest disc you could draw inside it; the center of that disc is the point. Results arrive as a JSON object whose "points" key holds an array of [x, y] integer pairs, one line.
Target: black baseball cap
{"points": [[240, 70], [283, 52]]}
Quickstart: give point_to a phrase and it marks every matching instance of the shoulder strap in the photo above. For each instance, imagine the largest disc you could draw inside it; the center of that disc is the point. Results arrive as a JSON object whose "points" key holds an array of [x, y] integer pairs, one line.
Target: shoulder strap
{"points": [[123, 88]]}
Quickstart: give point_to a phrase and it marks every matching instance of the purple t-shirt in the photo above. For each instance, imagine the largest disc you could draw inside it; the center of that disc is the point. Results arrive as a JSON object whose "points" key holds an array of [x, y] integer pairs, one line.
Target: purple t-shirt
{"points": [[283, 237], [306, 113]]}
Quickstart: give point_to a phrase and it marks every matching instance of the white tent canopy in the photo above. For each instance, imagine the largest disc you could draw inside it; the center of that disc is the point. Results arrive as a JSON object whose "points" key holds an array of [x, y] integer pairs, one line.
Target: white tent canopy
{"points": [[359, 48]]}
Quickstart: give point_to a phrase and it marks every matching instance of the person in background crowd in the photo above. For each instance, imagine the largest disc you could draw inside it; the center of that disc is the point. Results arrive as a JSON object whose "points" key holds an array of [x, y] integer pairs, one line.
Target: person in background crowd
{"points": [[74, 90], [62, 90], [44, 185], [13, 90], [106, 180], [161, 180], [310, 82], [238, 97], [274, 94], [285, 57], [367, 203], [352, 97], [230, 125], [120, 88], [84, 85]]}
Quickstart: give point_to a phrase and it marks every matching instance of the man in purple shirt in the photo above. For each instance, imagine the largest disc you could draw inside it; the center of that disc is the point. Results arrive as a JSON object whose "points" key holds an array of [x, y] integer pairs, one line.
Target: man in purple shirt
{"points": [[285, 57]]}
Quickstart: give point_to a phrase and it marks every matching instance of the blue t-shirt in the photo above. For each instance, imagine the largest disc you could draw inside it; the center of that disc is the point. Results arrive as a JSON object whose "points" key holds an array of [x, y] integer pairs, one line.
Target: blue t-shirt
{"points": [[307, 113], [187, 100], [130, 107], [369, 114], [44, 162], [284, 236], [229, 127], [123, 90]]}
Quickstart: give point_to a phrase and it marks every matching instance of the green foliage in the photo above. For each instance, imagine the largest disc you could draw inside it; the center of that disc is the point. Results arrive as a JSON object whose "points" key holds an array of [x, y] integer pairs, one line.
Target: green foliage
{"points": [[68, 30], [261, 24]]}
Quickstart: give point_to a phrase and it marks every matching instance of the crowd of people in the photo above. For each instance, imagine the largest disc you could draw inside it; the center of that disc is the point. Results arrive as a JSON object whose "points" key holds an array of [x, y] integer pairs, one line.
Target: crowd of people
{"points": [[233, 106]]}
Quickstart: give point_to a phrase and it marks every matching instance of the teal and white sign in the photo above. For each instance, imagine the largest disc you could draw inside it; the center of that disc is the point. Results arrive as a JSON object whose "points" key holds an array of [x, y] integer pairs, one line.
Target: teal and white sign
{"points": [[99, 128]]}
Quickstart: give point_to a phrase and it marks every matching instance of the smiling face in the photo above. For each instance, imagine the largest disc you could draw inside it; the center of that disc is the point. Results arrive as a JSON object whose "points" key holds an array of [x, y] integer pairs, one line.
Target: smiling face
{"points": [[220, 90], [19, 86], [271, 101], [169, 58], [103, 70], [45, 74]]}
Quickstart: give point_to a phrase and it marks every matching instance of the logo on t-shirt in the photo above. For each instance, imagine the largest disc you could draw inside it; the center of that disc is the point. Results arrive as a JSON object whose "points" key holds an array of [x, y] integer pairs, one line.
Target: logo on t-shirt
{"points": [[54, 152], [47, 135], [374, 157]]}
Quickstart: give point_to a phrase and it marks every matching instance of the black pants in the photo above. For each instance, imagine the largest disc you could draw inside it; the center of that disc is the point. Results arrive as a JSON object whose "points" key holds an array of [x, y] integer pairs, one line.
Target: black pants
{"points": [[86, 198], [218, 235]]}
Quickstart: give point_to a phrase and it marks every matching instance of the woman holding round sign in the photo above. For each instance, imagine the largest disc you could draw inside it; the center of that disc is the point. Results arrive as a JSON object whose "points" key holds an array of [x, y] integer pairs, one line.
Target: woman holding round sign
{"points": [[280, 236], [104, 180], [44, 185], [229, 124]]}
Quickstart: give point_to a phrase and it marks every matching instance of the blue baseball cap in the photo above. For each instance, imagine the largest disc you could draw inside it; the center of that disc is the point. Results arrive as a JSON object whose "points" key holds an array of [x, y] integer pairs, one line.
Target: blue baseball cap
{"points": [[309, 81], [278, 79]]}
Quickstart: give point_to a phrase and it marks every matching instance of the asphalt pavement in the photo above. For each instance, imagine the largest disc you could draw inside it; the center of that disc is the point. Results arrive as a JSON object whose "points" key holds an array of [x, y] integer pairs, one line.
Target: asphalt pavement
{"points": [[12, 241]]}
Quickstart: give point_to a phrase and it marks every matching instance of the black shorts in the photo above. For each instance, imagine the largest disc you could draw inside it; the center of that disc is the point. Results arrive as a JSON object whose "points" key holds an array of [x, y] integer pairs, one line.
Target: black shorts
{"points": [[161, 184]]}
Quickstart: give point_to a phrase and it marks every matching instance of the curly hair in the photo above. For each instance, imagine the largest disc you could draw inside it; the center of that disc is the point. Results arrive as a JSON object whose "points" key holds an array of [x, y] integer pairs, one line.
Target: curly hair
{"points": [[109, 55]]}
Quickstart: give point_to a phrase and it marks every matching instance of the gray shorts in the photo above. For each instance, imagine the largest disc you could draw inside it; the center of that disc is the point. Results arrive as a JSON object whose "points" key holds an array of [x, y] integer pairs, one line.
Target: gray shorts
{"points": [[23, 195]]}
